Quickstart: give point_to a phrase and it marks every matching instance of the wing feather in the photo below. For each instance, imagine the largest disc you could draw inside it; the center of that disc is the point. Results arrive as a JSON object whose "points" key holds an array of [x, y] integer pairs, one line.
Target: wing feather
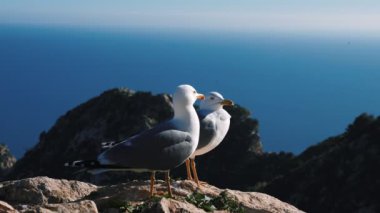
{"points": [[207, 129], [159, 148]]}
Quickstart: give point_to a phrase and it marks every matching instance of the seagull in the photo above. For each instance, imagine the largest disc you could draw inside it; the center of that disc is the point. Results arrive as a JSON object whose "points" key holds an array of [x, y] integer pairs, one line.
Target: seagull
{"points": [[159, 149], [214, 125]]}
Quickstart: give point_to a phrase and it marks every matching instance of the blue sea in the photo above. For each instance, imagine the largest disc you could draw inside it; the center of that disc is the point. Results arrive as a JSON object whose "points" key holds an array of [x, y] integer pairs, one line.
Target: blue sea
{"points": [[301, 88]]}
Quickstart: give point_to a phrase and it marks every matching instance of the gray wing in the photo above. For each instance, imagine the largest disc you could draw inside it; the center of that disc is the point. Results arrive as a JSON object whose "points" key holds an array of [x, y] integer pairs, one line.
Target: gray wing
{"points": [[160, 148], [208, 129]]}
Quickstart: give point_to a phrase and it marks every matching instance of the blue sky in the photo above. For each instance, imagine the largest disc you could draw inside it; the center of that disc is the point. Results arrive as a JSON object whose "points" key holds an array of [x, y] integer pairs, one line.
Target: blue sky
{"points": [[339, 16]]}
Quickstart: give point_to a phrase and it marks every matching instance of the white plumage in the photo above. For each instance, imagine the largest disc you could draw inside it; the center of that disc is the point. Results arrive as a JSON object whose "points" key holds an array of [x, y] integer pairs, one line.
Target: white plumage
{"points": [[214, 125]]}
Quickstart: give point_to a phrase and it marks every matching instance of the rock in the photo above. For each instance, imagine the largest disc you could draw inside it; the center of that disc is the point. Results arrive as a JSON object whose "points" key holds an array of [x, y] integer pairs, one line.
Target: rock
{"points": [[5, 207], [260, 202], [43, 194], [85, 206], [41, 190], [251, 201], [174, 206], [82, 206], [136, 193]]}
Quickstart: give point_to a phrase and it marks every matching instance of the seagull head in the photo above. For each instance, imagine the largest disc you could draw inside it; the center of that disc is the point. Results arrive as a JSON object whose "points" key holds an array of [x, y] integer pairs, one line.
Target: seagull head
{"points": [[215, 101], [186, 95]]}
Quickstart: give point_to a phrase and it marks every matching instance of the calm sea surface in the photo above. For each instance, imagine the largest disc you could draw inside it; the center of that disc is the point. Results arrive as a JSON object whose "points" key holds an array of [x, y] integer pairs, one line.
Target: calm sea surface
{"points": [[302, 89]]}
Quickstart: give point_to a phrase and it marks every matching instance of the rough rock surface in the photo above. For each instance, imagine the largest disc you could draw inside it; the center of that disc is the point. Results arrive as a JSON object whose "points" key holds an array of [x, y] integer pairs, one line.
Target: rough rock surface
{"points": [[43, 190], [170, 205], [5, 207], [85, 206], [42, 194]]}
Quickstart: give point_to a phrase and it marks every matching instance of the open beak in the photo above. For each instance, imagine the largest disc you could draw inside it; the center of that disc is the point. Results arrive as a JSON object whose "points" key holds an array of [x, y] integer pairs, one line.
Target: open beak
{"points": [[200, 96], [227, 102]]}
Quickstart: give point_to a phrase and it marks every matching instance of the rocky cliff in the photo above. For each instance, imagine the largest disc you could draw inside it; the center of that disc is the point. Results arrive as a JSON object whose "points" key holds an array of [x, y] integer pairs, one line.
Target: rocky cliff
{"points": [[341, 174], [114, 115], [43, 194]]}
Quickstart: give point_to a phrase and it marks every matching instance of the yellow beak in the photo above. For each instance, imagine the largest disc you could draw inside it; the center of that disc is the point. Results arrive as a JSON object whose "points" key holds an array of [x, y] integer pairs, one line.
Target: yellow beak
{"points": [[227, 102], [200, 96]]}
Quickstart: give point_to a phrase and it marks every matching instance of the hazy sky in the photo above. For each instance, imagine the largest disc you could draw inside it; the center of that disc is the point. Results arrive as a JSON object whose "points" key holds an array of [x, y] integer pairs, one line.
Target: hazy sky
{"points": [[347, 16]]}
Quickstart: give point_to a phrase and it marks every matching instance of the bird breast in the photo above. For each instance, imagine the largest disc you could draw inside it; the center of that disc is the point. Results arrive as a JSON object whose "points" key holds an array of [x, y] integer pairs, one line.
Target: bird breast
{"points": [[222, 125]]}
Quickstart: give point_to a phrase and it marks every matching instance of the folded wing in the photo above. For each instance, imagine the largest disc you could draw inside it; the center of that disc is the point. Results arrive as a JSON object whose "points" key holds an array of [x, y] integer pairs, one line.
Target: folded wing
{"points": [[207, 129], [159, 148]]}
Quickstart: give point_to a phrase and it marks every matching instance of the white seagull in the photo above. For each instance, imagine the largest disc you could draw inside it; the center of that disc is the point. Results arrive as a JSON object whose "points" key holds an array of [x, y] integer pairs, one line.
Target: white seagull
{"points": [[161, 148], [215, 122]]}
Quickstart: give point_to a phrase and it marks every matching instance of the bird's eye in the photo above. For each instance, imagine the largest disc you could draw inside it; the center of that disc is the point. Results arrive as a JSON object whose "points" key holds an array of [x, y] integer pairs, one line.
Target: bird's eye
{"points": [[212, 98], [194, 92]]}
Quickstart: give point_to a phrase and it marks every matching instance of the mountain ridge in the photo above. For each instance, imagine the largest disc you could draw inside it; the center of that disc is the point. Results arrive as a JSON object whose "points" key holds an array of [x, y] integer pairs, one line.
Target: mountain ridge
{"points": [[339, 174]]}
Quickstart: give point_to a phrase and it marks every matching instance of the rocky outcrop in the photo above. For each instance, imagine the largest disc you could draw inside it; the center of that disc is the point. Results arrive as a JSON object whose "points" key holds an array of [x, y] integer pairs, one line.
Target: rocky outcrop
{"points": [[42, 194], [43, 190], [7, 160]]}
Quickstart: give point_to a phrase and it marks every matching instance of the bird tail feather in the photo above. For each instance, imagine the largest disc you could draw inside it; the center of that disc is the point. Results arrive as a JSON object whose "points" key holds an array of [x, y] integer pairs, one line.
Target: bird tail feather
{"points": [[94, 165]]}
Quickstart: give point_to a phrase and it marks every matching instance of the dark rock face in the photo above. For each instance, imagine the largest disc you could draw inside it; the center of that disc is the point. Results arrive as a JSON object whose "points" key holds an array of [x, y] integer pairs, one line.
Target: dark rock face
{"points": [[118, 114], [114, 115], [341, 174], [7, 160]]}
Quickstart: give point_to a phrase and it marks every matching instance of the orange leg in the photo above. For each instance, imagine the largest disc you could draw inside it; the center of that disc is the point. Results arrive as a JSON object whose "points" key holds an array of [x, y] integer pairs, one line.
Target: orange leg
{"points": [[152, 180], [189, 177], [194, 172], [167, 179]]}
